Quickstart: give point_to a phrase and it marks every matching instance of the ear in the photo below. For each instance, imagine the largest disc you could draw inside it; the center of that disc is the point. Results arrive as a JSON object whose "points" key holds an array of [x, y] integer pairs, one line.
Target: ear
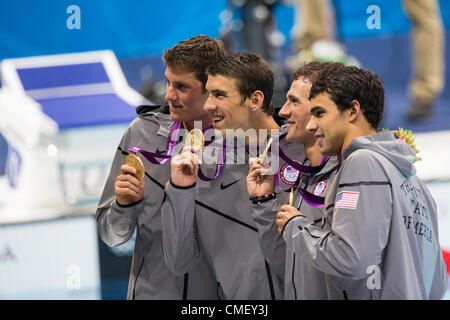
{"points": [[354, 111], [256, 100]]}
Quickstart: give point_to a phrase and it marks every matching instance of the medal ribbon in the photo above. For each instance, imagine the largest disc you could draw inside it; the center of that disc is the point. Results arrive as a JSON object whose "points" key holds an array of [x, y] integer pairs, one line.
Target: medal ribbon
{"points": [[219, 167], [310, 198], [152, 157]]}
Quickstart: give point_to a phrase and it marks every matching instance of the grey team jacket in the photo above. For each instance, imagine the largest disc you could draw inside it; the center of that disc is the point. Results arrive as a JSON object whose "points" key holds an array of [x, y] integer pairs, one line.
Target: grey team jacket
{"points": [[213, 220], [149, 276], [381, 238], [301, 280]]}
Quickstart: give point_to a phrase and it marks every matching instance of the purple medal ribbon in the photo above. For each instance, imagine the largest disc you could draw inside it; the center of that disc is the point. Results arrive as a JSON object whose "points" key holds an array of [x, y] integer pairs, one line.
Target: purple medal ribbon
{"points": [[152, 157], [311, 199], [300, 167], [219, 167]]}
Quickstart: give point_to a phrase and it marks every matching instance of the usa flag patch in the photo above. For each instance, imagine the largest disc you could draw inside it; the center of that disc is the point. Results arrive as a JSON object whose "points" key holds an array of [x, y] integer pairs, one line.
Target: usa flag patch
{"points": [[347, 199]]}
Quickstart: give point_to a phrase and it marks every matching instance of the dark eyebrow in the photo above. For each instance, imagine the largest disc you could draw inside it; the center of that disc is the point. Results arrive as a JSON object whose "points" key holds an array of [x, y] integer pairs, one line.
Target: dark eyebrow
{"points": [[293, 98], [314, 109], [218, 91], [181, 83], [178, 82]]}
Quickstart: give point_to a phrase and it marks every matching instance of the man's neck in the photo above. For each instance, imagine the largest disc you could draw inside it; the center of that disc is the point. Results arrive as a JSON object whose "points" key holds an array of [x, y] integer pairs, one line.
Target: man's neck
{"points": [[313, 154], [206, 123], [263, 122]]}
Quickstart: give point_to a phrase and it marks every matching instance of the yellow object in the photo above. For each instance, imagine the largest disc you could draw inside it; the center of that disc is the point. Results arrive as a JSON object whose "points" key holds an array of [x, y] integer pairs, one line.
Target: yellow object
{"points": [[134, 161], [408, 137], [195, 138], [291, 197], [266, 150]]}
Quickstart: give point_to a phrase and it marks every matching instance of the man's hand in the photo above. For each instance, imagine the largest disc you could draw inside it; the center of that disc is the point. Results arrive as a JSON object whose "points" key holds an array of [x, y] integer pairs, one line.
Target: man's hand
{"points": [[128, 188], [286, 212], [260, 179], [184, 167]]}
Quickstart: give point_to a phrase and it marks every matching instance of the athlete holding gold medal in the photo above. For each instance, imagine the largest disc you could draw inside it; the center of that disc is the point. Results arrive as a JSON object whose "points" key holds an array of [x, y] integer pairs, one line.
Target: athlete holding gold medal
{"points": [[132, 160], [195, 139], [134, 190], [205, 217], [276, 218]]}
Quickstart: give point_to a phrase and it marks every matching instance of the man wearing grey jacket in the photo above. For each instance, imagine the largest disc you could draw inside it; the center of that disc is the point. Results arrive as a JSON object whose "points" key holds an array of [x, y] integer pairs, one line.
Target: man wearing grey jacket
{"points": [[382, 241], [128, 204], [207, 212], [301, 280]]}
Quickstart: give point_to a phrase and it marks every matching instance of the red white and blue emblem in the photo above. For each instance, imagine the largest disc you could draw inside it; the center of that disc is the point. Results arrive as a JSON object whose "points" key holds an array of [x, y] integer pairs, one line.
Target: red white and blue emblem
{"points": [[320, 187], [347, 200], [288, 174]]}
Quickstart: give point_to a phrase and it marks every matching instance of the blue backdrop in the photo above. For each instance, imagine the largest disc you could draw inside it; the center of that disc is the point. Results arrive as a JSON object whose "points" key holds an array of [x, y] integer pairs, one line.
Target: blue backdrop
{"points": [[136, 28]]}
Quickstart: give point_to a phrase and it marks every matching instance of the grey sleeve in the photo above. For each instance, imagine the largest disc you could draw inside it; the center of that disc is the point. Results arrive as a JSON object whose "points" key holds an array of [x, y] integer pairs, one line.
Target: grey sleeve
{"points": [[441, 279], [272, 244], [116, 223], [179, 237], [357, 235]]}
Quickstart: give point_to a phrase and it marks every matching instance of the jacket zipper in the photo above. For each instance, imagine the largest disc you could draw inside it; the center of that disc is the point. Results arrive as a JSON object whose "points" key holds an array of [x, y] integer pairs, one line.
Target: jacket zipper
{"points": [[137, 276], [185, 288], [345, 295], [293, 281]]}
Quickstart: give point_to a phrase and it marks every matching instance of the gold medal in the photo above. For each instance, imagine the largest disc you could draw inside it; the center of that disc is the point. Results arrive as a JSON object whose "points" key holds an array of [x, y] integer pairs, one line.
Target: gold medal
{"points": [[263, 157], [291, 197], [195, 138], [133, 160]]}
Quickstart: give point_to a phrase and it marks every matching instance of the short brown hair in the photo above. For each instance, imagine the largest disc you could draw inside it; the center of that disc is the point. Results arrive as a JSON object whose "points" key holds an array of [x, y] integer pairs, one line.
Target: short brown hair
{"points": [[313, 70], [194, 55], [353, 83], [251, 72]]}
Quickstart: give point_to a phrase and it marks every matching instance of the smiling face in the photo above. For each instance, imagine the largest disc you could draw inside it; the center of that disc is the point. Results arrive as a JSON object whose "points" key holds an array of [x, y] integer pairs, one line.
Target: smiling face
{"points": [[296, 111], [185, 95], [225, 104], [328, 124]]}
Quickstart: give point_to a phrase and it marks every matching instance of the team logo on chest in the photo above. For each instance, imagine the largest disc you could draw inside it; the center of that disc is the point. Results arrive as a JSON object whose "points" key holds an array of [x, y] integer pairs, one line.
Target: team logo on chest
{"points": [[320, 187], [288, 174]]}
